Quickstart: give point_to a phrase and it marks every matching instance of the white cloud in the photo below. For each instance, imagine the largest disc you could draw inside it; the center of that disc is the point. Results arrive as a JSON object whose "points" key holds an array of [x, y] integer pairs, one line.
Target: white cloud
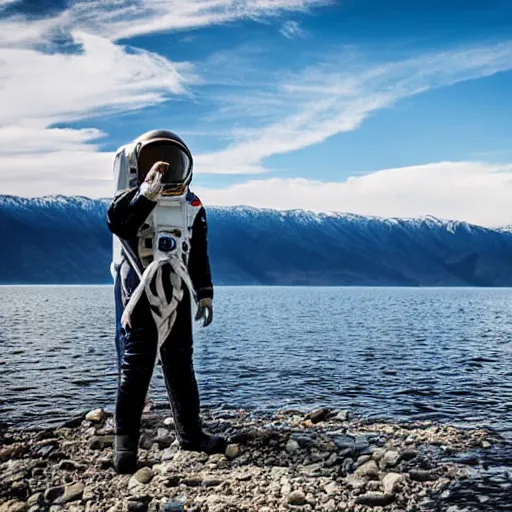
{"points": [[70, 172], [291, 30], [470, 191], [39, 88], [122, 19], [324, 101], [159, 15]]}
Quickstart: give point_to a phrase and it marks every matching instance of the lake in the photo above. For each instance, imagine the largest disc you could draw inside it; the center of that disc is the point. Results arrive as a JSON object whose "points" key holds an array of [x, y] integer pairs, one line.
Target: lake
{"points": [[443, 354]]}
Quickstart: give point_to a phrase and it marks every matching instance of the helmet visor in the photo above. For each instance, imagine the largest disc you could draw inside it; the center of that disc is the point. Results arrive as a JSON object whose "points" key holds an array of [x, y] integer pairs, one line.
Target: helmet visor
{"points": [[180, 165]]}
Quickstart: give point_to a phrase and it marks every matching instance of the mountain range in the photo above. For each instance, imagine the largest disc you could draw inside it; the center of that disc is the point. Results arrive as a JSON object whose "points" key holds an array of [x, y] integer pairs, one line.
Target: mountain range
{"points": [[61, 239]]}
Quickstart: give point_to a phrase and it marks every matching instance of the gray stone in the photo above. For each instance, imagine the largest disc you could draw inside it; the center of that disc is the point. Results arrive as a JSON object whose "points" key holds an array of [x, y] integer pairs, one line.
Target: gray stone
{"points": [[52, 493], [173, 506], [304, 441], [390, 460], [362, 459], [378, 454], [72, 492], [101, 442], [143, 476], [354, 482], [13, 506], [211, 481], [296, 498], [331, 461], [409, 454], [68, 465], [168, 454], [342, 416], [347, 465], [318, 415], [423, 475], [375, 499], [35, 499], [367, 470], [332, 488], [232, 451], [192, 481], [391, 482], [292, 446]]}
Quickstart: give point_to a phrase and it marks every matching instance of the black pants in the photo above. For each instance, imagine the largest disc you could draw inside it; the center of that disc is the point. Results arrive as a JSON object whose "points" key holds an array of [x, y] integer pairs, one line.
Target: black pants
{"points": [[137, 354]]}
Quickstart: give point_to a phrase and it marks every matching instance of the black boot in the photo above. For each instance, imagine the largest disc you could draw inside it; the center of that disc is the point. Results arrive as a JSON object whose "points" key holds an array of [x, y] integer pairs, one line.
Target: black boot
{"points": [[207, 443], [125, 454]]}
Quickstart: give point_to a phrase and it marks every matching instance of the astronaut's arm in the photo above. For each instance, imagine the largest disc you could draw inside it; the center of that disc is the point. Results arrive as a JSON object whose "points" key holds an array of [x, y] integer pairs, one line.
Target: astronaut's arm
{"points": [[127, 212], [199, 261]]}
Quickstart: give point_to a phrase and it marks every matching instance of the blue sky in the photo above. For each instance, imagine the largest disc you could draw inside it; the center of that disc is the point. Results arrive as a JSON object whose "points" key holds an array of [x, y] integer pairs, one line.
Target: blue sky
{"points": [[380, 108]]}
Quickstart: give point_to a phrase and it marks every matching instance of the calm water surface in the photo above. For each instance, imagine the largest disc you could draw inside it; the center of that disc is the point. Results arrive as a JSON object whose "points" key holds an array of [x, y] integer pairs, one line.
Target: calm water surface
{"points": [[442, 354]]}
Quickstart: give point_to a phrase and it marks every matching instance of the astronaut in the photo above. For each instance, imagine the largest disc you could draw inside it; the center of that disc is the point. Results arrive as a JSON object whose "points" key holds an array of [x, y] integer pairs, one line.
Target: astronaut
{"points": [[162, 281]]}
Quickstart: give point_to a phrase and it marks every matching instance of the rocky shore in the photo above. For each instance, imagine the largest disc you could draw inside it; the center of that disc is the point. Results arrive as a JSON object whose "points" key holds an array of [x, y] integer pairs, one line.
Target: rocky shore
{"points": [[321, 461]]}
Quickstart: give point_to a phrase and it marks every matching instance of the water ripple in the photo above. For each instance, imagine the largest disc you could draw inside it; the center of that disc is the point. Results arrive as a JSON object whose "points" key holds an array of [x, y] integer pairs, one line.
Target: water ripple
{"points": [[438, 354]]}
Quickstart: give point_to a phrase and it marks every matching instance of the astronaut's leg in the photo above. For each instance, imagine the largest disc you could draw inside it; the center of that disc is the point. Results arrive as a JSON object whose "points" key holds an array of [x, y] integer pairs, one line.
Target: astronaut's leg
{"points": [[180, 381], [140, 346]]}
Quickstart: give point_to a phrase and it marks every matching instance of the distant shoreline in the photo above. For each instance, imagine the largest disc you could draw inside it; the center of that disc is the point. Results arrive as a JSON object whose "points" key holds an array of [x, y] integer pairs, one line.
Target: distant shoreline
{"points": [[373, 286]]}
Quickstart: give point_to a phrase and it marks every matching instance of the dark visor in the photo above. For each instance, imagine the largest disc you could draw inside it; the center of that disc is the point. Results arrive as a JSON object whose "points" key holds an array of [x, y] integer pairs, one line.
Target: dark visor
{"points": [[179, 162]]}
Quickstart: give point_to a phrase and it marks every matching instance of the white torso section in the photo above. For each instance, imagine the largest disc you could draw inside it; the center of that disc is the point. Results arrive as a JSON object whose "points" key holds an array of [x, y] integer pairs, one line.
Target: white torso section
{"points": [[167, 231]]}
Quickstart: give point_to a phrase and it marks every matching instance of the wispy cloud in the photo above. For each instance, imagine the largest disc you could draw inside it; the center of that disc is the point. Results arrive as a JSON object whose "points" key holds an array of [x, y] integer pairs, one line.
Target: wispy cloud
{"points": [[324, 101], [470, 191], [42, 83], [292, 29], [122, 19]]}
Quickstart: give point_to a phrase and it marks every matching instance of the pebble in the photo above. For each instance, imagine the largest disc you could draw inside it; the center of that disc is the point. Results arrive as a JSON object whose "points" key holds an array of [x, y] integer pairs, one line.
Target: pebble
{"points": [[292, 446], [378, 454], [318, 415], [96, 416], [173, 506], [142, 476], [391, 482], [375, 499], [422, 475], [232, 451], [72, 492], [101, 442], [13, 506], [342, 416], [35, 499], [68, 465], [296, 498], [409, 454], [286, 462], [367, 470], [52, 493], [390, 459]]}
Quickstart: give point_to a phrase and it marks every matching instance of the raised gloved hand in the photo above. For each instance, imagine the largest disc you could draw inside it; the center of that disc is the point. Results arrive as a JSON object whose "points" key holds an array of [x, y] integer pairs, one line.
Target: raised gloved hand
{"points": [[152, 186], [205, 312]]}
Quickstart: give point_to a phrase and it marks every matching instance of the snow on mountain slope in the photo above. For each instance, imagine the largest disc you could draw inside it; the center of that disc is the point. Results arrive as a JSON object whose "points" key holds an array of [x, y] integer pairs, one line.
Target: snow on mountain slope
{"points": [[62, 239]]}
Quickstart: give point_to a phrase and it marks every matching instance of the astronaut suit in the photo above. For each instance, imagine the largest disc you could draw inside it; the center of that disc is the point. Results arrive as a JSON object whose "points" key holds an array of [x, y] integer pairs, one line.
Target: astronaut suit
{"points": [[162, 277]]}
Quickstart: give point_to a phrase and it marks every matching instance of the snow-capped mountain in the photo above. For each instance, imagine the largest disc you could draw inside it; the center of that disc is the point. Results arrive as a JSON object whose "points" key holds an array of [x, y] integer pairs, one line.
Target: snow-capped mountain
{"points": [[65, 240]]}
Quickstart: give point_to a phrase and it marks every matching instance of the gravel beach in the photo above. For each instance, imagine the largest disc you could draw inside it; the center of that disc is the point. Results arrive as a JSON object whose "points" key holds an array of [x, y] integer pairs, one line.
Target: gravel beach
{"points": [[323, 460]]}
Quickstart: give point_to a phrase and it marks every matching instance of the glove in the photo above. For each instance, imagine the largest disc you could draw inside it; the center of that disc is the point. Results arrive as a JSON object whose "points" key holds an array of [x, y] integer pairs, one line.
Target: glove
{"points": [[205, 312], [152, 186]]}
